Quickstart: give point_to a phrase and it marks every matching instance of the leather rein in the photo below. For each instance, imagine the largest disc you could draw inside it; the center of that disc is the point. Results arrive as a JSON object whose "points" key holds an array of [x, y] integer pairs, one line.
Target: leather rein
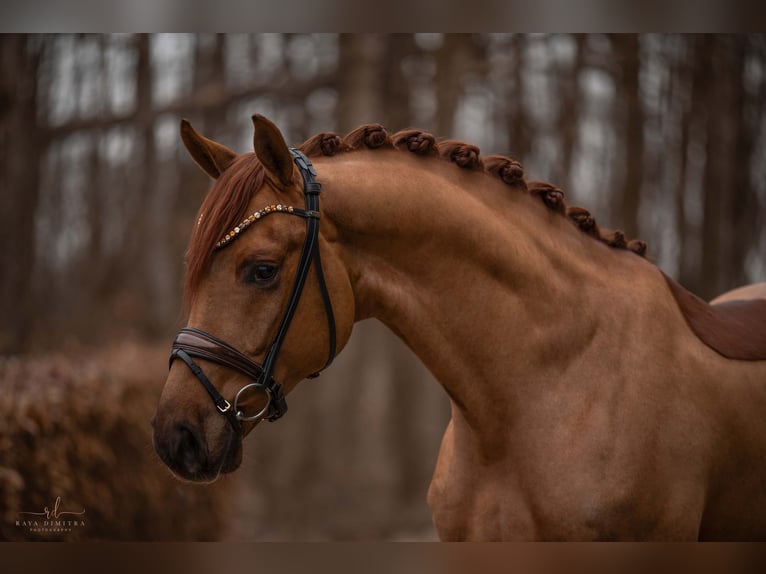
{"points": [[197, 343]]}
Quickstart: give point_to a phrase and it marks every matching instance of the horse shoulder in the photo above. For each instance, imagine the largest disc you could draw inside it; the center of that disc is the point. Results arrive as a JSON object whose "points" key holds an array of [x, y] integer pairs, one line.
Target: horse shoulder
{"points": [[596, 491], [475, 499]]}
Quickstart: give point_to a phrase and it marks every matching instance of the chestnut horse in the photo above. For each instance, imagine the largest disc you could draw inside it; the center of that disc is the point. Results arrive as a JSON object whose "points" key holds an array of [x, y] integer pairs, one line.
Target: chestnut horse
{"points": [[592, 397]]}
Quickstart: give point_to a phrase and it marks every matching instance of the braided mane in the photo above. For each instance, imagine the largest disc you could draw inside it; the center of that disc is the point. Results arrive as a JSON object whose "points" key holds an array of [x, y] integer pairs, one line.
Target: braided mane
{"points": [[227, 202], [467, 156]]}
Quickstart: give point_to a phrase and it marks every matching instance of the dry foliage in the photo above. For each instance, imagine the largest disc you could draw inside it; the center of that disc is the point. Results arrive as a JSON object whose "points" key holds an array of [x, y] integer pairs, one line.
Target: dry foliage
{"points": [[76, 426]]}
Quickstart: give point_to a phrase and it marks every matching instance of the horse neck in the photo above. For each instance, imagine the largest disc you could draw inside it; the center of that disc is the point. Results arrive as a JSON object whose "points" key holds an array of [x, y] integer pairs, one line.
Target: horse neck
{"points": [[491, 290]]}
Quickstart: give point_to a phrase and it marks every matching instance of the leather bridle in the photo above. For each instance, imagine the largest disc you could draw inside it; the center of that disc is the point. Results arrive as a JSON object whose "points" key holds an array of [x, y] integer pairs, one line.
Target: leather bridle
{"points": [[197, 343]]}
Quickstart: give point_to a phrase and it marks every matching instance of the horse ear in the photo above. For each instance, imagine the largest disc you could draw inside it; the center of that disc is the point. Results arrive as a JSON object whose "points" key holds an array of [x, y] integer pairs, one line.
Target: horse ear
{"points": [[271, 150], [213, 157]]}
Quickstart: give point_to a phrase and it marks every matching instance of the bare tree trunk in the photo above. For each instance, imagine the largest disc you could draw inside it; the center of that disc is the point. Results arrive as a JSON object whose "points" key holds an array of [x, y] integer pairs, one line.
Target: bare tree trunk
{"points": [[569, 113], [93, 264], [453, 60], [141, 229], [722, 257], [694, 135], [210, 80], [360, 95], [744, 201], [95, 205], [630, 113], [21, 151], [397, 90], [683, 78], [518, 121], [759, 48]]}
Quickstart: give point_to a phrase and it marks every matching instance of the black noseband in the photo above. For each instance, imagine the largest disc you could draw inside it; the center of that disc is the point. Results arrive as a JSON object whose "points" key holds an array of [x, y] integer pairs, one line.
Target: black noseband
{"points": [[197, 343]]}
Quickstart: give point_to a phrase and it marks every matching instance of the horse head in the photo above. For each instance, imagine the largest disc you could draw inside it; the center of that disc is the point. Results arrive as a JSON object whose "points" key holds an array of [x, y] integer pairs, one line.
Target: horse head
{"points": [[269, 302]]}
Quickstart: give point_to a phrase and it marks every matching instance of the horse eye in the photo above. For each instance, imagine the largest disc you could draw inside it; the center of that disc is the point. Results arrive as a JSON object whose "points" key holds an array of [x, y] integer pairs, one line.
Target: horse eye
{"points": [[261, 273]]}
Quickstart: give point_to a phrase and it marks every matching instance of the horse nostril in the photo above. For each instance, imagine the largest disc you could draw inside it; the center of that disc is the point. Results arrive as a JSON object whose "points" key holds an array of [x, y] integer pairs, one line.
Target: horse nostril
{"points": [[190, 452]]}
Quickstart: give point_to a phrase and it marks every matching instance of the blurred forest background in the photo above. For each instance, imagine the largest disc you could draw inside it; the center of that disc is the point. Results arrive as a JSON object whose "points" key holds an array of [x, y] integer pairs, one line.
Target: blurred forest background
{"points": [[663, 136]]}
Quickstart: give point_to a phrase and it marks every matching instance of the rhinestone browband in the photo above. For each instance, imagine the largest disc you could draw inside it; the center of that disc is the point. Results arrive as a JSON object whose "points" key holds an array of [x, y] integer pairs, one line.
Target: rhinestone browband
{"points": [[253, 217]]}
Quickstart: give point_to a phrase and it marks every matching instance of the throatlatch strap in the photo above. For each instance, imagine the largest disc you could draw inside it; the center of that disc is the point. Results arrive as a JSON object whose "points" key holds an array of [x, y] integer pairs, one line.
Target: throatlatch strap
{"points": [[311, 191], [327, 306]]}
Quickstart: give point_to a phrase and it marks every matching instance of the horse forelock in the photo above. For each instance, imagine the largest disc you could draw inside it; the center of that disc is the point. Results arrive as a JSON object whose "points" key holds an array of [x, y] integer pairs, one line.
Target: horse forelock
{"points": [[467, 156], [224, 206]]}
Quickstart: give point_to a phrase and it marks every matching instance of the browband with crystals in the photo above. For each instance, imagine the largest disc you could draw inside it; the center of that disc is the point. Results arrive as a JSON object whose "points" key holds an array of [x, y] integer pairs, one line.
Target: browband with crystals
{"points": [[252, 218]]}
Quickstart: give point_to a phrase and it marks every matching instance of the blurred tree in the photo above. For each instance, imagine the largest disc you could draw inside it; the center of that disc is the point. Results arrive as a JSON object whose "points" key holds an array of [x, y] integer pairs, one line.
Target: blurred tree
{"points": [[728, 151], [629, 112], [361, 85], [458, 58], [21, 153], [569, 111], [518, 120]]}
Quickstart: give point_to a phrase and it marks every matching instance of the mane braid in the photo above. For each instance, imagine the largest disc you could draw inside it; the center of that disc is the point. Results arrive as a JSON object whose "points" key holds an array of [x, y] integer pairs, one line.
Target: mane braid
{"points": [[584, 220], [416, 141], [369, 135], [464, 155], [550, 195], [325, 143], [614, 238], [508, 170], [637, 246]]}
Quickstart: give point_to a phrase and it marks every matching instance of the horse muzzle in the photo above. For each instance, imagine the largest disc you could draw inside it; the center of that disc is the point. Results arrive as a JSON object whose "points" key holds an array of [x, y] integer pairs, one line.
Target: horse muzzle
{"points": [[186, 452]]}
